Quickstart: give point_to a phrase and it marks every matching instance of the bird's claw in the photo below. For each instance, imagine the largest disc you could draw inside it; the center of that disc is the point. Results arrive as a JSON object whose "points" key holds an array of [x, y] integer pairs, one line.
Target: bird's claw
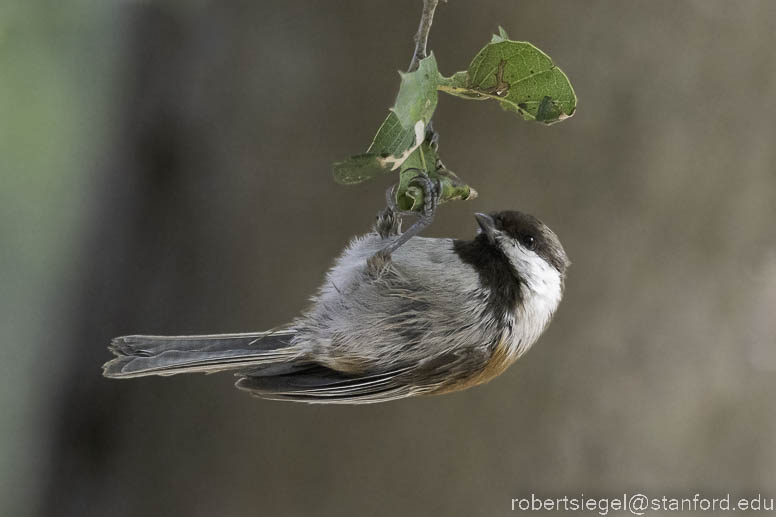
{"points": [[389, 220], [388, 223], [432, 192]]}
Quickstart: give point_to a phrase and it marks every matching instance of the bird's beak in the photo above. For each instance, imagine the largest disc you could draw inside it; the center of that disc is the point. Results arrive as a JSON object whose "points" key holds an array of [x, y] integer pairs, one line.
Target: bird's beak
{"points": [[487, 224]]}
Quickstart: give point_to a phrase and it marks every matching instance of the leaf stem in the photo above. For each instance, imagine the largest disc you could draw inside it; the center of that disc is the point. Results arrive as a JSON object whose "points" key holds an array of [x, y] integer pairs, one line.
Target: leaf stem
{"points": [[421, 38]]}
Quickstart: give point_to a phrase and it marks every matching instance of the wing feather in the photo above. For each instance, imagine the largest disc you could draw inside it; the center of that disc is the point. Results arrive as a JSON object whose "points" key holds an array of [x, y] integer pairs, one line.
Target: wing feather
{"points": [[321, 385]]}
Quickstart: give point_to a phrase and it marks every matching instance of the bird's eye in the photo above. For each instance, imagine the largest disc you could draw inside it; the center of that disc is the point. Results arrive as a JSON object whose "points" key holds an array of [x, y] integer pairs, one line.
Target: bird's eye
{"points": [[529, 241]]}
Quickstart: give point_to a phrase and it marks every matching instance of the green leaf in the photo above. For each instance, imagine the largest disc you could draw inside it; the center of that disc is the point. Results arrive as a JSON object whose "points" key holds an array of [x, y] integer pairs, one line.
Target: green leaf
{"points": [[404, 128], [391, 147], [357, 169], [520, 77], [395, 143], [402, 131], [417, 98]]}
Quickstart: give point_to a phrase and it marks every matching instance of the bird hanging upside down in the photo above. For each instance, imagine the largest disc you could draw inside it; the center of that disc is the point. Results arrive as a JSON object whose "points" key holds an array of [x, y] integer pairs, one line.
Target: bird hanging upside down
{"points": [[430, 316]]}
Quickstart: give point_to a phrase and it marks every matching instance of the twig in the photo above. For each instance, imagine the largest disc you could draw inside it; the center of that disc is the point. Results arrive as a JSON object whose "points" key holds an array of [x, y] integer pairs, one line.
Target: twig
{"points": [[426, 215], [421, 38]]}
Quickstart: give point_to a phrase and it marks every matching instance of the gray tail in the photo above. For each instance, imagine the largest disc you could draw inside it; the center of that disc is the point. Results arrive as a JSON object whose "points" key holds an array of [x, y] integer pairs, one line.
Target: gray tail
{"points": [[139, 356]]}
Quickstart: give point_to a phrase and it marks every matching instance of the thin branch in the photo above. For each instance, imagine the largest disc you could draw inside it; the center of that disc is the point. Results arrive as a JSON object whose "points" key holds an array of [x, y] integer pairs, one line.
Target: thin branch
{"points": [[421, 38]]}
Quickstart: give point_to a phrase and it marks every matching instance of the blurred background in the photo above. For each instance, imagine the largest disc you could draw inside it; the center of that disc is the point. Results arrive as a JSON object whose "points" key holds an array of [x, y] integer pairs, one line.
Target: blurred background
{"points": [[166, 169]]}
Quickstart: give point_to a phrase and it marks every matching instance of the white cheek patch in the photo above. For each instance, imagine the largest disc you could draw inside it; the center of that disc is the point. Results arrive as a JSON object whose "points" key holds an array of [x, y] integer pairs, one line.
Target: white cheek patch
{"points": [[541, 293]]}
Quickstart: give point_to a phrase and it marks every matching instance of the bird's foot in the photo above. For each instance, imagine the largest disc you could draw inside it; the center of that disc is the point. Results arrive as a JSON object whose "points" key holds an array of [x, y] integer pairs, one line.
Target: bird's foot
{"points": [[389, 220]]}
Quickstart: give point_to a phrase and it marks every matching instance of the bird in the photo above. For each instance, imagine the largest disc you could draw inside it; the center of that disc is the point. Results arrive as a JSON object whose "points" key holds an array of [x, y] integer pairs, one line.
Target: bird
{"points": [[434, 316]]}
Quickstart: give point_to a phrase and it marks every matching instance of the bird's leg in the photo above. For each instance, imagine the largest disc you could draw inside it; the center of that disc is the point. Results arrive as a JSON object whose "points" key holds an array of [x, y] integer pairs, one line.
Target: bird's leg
{"points": [[431, 193]]}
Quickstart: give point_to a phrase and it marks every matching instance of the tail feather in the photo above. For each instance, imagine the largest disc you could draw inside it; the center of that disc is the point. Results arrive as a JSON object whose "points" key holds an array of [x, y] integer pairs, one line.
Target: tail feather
{"points": [[138, 356]]}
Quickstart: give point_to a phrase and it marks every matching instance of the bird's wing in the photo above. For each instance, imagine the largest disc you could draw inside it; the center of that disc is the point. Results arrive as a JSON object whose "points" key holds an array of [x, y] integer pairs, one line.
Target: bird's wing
{"points": [[321, 385]]}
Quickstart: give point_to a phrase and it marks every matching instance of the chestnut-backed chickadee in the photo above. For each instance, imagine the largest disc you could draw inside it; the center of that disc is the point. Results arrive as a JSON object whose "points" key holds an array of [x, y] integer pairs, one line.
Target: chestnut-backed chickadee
{"points": [[438, 315]]}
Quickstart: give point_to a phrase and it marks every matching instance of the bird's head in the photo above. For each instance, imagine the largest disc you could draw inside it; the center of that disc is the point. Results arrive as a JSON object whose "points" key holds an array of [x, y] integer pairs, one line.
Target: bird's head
{"points": [[533, 250]]}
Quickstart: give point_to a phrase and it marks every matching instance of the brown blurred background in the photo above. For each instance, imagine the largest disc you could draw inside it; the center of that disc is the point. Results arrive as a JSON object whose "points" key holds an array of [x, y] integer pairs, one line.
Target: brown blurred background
{"points": [[165, 169]]}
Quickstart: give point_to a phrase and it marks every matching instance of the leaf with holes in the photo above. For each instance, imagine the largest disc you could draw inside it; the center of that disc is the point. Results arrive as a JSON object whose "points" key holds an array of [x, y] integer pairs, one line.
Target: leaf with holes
{"points": [[417, 98], [517, 75], [402, 131], [520, 77]]}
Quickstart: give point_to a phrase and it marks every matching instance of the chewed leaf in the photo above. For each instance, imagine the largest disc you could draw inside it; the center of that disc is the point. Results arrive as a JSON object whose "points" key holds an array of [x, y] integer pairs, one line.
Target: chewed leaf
{"points": [[520, 77], [379, 157], [403, 130], [517, 75], [417, 98]]}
